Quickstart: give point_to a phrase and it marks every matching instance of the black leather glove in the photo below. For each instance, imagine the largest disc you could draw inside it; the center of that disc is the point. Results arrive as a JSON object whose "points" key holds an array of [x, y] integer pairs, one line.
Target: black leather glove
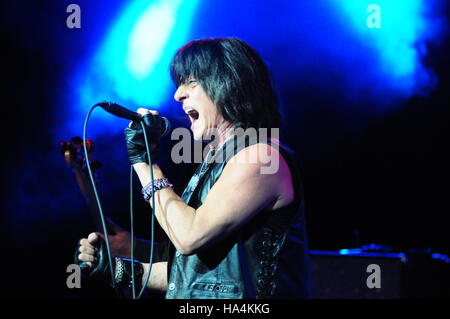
{"points": [[100, 269], [134, 136]]}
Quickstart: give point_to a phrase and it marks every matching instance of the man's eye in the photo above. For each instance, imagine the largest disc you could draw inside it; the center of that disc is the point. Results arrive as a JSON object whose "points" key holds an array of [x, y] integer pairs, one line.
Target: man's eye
{"points": [[192, 82]]}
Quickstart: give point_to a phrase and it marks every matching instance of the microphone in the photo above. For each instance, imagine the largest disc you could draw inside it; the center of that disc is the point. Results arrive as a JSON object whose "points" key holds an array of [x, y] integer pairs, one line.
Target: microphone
{"points": [[125, 113]]}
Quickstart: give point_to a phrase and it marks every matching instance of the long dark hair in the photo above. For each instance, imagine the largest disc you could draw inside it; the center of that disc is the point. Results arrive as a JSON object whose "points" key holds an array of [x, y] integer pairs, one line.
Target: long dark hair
{"points": [[234, 76]]}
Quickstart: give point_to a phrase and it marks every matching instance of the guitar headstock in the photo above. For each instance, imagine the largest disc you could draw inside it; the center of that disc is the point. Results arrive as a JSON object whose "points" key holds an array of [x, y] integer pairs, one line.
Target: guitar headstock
{"points": [[76, 159], [74, 155]]}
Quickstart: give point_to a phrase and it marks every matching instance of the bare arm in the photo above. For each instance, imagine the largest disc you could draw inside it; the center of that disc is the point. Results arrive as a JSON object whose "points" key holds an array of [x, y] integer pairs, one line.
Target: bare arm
{"points": [[240, 193], [158, 275]]}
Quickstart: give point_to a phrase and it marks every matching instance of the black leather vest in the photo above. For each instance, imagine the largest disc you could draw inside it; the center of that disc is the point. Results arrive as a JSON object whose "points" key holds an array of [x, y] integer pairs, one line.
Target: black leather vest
{"points": [[266, 258]]}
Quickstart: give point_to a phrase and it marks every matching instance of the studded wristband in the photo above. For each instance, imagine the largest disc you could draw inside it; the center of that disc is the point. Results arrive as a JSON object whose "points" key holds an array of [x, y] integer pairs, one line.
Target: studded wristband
{"points": [[149, 189], [119, 271], [123, 278]]}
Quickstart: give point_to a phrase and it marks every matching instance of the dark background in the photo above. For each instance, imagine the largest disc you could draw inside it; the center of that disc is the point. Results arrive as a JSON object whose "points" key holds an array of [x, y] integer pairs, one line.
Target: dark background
{"points": [[385, 183]]}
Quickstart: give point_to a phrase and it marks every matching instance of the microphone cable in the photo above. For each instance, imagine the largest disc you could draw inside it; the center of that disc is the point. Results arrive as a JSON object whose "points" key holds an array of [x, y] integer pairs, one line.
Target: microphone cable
{"points": [[100, 210], [152, 228]]}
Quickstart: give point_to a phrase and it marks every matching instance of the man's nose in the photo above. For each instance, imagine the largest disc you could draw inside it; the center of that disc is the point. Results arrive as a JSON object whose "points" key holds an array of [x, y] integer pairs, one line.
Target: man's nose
{"points": [[180, 93]]}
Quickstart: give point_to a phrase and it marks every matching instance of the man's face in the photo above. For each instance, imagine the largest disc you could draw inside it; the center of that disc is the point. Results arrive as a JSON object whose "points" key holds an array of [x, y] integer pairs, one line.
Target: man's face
{"points": [[202, 112]]}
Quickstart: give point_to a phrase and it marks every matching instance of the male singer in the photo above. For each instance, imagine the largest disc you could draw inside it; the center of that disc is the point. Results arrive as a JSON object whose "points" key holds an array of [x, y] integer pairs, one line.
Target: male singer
{"points": [[237, 231]]}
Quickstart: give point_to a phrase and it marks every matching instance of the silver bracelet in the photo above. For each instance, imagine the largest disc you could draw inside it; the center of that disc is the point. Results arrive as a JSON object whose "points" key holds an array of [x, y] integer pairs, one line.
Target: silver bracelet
{"points": [[119, 271], [149, 189]]}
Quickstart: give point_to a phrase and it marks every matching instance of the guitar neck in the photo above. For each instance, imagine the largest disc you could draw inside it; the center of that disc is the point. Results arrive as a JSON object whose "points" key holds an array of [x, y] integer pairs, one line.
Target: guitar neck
{"points": [[87, 191]]}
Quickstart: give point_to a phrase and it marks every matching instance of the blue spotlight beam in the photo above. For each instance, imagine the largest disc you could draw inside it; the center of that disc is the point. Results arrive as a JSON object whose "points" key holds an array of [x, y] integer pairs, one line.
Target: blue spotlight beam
{"points": [[397, 30], [131, 66]]}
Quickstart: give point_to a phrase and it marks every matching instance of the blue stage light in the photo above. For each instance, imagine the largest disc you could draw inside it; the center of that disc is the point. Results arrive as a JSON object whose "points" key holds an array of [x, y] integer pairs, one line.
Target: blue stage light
{"points": [[397, 31], [131, 66], [334, 46]]}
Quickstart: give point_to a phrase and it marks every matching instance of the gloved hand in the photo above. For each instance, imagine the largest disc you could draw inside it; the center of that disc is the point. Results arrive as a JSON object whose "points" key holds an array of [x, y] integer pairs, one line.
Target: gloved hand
{"points": [[92, 257], [134, 136]]}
